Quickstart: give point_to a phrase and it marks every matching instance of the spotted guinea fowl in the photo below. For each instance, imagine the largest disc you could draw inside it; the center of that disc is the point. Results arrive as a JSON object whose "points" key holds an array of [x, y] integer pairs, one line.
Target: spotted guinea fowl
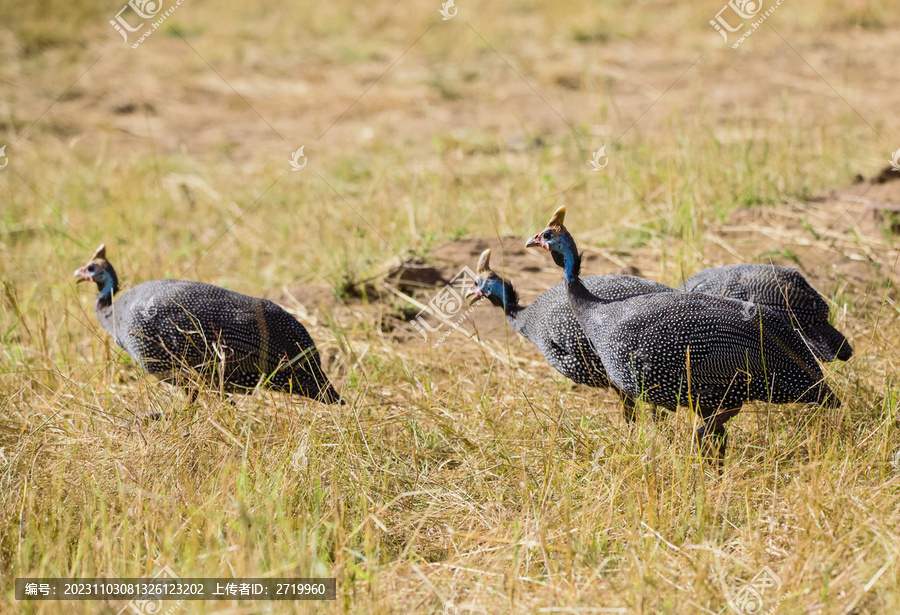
{"points": [[549, 323], [174, 327], [668, 348], [786, 291]]}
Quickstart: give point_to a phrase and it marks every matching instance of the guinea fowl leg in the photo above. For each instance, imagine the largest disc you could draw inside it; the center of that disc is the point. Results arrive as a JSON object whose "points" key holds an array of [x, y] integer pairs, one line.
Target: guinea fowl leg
{"points": [[628, 409], [631, 416], [711, 438], [627, 406], [192, 392]]}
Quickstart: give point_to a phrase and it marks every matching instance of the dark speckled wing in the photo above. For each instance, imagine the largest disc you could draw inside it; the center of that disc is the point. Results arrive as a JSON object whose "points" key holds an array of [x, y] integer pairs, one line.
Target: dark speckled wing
{"points": [[783, 290], [178, 325], [724, 351]]}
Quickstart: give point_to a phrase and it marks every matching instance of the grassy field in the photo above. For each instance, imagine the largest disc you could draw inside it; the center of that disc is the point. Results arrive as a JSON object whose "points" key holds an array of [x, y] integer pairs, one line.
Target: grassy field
{"points": [[471, 477]]}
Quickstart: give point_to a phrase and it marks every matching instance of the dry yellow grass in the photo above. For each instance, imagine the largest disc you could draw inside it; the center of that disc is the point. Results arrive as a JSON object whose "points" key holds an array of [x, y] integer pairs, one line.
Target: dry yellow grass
{"points": [[453, 481]]}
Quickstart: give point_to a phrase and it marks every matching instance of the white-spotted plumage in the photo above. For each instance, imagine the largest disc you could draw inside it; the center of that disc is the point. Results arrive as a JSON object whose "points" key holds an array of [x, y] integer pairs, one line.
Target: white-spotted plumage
{"points": [[669, 348], [173, 327], [784, 290]]}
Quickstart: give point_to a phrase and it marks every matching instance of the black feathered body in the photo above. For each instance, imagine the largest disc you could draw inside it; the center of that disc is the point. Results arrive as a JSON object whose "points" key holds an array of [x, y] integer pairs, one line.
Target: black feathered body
{"points": [[784, 290], [229, 338], [724, 351], [550, 324]]}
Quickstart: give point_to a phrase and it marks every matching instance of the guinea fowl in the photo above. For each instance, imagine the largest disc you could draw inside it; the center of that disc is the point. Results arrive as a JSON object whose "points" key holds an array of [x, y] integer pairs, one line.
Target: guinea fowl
{"points": [[177, 327], [712, 353], [786, 291], [550, 324]]}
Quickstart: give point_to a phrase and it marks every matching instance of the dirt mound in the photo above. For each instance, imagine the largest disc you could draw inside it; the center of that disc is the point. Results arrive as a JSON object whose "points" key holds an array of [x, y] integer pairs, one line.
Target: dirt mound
{"points": [[415, 274]]}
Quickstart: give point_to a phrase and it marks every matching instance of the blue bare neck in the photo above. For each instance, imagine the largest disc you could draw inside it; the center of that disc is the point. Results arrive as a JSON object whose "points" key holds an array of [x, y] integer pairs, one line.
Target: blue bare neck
{"points": [[571, 260]]}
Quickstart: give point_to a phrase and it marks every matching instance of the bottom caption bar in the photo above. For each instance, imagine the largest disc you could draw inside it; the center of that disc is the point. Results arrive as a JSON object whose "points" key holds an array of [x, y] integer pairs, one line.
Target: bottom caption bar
{"points": [[175, 589]]}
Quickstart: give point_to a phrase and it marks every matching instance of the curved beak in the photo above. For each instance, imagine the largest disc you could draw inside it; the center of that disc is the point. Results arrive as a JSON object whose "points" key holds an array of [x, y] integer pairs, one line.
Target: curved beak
{"points": [[473, 294], [536, 242], [82, 275]]}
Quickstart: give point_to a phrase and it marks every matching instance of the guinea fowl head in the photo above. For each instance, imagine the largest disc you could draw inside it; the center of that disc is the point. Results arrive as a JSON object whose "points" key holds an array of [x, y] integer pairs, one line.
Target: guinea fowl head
{"points": [[557, 240], [488, 284], [99, 271]]}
